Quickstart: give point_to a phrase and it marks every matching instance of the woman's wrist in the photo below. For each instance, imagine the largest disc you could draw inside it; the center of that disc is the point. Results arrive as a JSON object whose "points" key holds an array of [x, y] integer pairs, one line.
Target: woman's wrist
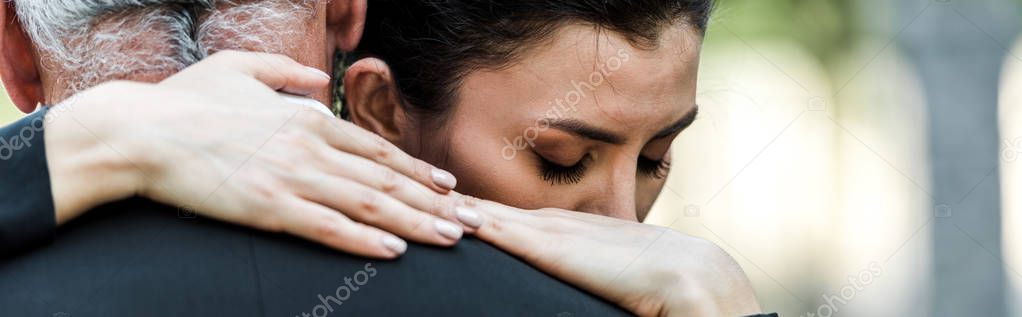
{"points": [[724, 289], [89, 160]]}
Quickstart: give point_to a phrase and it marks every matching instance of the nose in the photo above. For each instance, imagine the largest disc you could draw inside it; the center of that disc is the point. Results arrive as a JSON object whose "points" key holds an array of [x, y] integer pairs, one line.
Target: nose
{"points": [[615, 196]]}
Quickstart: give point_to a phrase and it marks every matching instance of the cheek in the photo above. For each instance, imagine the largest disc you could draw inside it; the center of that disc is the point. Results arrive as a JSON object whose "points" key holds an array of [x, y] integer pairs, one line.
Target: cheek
{"points": [[487, 169], [646, 192]]}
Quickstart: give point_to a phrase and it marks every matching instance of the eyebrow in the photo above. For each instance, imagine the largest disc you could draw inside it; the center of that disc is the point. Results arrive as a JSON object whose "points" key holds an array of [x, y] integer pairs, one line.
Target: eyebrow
{"points": [[588, 131], [679, 125]]}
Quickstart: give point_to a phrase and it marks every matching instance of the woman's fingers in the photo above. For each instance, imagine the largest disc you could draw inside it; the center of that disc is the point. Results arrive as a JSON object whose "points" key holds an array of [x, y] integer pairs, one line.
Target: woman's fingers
{"points": [[347, 137], [364, 211], [278, 72], [389, 181], [509, 228], [321, 224], [372, 207], [306, 103]]}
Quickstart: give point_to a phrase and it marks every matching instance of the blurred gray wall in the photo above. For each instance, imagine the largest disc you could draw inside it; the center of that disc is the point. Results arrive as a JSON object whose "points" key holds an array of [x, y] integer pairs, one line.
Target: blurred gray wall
{"points": [[959, 48]]}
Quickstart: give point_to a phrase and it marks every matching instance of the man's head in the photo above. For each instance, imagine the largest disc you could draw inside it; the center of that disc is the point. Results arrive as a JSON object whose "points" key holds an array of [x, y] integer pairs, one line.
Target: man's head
{"points": [[50, 49]]}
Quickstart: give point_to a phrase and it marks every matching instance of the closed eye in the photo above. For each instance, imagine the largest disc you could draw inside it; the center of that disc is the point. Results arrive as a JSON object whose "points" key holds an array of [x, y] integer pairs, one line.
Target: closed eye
{"points": [[558, 174], [657, 169]]}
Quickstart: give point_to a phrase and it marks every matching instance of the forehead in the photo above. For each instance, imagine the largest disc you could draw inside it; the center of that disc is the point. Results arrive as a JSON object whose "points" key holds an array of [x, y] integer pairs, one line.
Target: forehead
{"points": [[595, 75]]}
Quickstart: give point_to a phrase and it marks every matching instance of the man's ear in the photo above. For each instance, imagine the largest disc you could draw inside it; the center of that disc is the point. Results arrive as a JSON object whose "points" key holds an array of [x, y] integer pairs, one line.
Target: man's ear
{"points": [[345, 21], [373, 99], [17, 62]]}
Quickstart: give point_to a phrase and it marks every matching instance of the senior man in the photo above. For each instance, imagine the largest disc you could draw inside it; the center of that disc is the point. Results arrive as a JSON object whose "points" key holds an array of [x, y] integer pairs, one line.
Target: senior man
{"points": [[217, 139]]}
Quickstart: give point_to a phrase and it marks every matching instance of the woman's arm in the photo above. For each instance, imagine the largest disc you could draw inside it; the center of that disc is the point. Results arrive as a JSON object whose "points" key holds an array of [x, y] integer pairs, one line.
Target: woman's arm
{"points": [[217, 139], [648, 270]]}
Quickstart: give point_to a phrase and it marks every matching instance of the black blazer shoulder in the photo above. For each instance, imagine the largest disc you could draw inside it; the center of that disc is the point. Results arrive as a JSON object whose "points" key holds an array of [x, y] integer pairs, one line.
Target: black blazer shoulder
{"points": [[137, 258]]}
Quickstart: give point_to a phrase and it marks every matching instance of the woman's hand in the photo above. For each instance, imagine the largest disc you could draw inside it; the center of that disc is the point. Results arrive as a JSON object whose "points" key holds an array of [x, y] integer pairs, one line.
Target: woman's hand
{"points": [[648, 270], [219, 140]]}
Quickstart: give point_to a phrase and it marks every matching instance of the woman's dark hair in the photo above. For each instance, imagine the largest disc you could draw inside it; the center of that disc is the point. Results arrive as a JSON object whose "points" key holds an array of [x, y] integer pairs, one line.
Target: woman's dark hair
{"points": [[431, 45]]}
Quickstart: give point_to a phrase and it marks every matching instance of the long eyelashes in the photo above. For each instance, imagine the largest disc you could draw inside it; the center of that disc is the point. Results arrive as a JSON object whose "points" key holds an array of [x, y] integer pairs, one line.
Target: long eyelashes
{"points": [[657, 169], [557, 174]]}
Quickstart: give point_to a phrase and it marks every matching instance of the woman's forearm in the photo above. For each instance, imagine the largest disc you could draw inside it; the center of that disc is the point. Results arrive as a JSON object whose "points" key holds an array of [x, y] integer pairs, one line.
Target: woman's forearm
{"points": [[57, 163], [89, 164], [648, 270], [234, 149]]}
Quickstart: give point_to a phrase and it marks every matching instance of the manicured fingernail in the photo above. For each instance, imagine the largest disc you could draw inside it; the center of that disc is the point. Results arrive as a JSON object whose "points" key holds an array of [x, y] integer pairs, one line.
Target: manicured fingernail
{"points": [[448, 229], [444, 179], [306, 102], [469, 217], [395, 244], [317, 72]]}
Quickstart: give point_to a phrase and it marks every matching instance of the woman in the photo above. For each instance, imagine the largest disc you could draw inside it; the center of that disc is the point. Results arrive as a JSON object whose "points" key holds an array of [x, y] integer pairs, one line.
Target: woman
{"points": [[534, 99], [544, 103]]}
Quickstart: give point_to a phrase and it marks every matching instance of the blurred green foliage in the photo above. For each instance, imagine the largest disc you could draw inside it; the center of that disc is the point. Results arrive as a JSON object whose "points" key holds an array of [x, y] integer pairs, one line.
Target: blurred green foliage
{"points": [[8, 113], [825, 27]]}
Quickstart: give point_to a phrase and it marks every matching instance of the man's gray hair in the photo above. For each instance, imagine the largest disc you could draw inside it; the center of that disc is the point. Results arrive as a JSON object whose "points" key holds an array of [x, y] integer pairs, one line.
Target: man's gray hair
{"points": [[91, 41]]}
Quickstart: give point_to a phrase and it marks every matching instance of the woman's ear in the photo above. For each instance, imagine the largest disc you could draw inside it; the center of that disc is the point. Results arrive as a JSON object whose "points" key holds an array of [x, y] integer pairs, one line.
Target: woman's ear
{"points": [[345, 21], [373, 99], [17, 61]]}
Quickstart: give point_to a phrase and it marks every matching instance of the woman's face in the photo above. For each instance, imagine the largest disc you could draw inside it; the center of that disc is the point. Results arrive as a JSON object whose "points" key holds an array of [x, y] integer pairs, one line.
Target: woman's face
{"points": [[583, 122]]}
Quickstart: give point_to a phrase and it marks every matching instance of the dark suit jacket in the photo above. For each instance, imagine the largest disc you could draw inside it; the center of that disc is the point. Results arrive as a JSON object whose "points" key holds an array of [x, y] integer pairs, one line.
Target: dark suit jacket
{"points": [[139, 258]]}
